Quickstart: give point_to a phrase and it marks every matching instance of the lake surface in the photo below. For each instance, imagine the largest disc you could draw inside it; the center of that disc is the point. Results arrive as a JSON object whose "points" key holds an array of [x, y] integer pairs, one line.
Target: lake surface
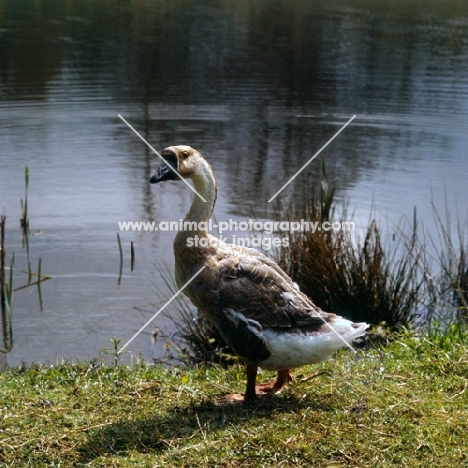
{"points": [[257, 86]]}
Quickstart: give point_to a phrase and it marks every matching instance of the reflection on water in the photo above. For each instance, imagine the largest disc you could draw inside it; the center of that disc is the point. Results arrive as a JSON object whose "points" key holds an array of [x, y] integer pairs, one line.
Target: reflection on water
{"points": [[257, 86]]}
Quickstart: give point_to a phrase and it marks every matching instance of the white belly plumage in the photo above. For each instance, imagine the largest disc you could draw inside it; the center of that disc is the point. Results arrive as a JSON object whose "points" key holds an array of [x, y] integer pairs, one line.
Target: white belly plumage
{"points": [[290, 349]]}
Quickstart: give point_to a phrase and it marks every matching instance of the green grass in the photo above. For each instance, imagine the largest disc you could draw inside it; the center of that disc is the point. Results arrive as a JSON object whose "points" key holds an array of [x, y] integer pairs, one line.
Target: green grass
{"points": [[405, 406]]}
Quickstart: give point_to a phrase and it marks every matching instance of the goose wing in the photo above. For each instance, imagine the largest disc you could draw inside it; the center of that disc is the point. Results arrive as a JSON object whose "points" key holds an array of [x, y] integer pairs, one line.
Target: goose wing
{"points": [[254, 286]]}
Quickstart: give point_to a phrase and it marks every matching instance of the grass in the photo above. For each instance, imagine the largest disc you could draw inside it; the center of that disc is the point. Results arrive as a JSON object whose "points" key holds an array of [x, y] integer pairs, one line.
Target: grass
{"points": [[403, 406]]}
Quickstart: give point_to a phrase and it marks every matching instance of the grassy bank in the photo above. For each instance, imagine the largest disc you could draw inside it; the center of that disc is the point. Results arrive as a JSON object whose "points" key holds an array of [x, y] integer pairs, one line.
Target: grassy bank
{"points": [[406, 406]]}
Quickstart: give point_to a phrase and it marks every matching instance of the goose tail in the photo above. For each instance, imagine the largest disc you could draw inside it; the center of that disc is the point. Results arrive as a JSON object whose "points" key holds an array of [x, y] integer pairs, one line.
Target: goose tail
{"points": [[348, 330]]}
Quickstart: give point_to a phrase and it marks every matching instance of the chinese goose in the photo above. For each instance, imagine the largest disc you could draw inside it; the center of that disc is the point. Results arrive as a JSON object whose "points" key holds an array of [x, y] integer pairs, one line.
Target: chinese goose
{"points": [[257, 308]]}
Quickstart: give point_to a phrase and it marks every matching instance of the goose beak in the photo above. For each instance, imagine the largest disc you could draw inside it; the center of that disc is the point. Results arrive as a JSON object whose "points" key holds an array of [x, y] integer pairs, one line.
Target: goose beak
{"points": [[162, 174], [166, 171]]}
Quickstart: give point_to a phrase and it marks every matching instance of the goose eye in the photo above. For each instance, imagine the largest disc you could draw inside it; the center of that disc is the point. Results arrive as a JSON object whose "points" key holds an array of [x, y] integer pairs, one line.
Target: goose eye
{"points": [[185, 154]]}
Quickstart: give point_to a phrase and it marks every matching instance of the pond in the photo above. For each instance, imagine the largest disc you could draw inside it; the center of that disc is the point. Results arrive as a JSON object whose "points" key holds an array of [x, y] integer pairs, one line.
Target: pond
{"points": [[257, 86]]}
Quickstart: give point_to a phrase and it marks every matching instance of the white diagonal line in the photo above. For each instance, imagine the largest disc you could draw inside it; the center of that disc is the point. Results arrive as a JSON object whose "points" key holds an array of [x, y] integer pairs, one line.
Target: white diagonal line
{"points": [[149, 146], [162, 308], [312, 158], [338, 335]]}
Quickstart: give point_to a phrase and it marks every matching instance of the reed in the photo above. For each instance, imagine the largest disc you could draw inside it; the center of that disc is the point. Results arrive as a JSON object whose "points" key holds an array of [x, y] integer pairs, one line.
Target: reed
{"points": [[6, 293], [24, 221], [444, 267], [2, 261], [120, 259], [327, 194], [6, 280]]}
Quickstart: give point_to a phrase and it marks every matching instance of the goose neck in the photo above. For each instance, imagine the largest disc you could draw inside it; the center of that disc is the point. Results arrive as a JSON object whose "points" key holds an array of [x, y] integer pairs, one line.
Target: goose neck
{"points": [[205, 184]]}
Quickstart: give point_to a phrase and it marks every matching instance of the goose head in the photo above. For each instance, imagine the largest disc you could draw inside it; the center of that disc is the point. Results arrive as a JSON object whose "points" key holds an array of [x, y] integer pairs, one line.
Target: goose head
{"points": [[182, 162]]}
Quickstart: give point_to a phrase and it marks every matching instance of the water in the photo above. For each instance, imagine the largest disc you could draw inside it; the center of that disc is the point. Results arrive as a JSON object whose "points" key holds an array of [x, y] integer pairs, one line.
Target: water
{"points": [[257, 86]]}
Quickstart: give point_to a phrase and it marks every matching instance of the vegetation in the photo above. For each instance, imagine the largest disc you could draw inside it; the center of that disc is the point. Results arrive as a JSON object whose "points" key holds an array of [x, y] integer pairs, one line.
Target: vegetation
{"points": [[398, 283], [6, 278], [360, 280], [115, 350], [6, 298], [402, 406]]}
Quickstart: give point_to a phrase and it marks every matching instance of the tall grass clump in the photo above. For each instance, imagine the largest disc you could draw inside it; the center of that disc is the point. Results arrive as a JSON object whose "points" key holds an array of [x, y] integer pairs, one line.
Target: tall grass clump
{"points": [[411, 280], [360, 279]]}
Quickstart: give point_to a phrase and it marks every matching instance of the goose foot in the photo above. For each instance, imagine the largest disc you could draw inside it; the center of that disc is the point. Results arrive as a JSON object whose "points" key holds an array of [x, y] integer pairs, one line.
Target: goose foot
{"points": [[283, 379], [254, 391], [231, 399]]}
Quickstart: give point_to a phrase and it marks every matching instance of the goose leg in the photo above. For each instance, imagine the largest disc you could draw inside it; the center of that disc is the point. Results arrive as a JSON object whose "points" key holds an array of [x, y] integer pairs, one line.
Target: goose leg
{"points": [[251, 390]]}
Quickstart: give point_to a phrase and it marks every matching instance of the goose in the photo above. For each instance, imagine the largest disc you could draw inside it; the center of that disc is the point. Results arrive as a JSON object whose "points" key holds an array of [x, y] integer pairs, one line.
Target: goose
{"points": [[256, 307]]}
